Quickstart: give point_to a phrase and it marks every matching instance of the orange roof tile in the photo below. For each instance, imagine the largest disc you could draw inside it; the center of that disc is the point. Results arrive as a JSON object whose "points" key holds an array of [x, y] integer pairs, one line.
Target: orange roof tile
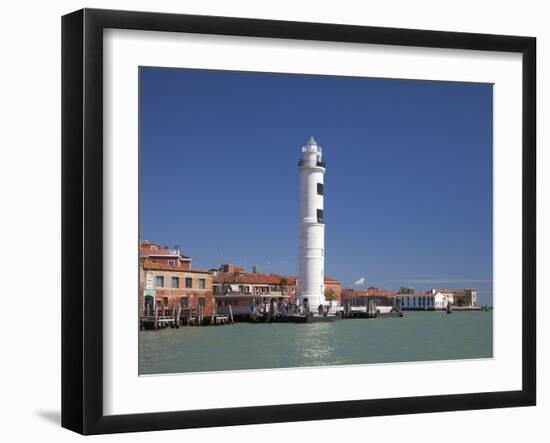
{"points": [[252, 278], [152, 265]]}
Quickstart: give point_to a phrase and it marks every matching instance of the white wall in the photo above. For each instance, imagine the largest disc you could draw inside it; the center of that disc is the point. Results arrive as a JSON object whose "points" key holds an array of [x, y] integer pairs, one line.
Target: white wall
{"points": [[30, 190]]}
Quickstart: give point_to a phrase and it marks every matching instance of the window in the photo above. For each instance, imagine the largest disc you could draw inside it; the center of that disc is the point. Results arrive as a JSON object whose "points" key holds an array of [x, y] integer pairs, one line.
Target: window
{"points": [[165, 301], [188, 282], [320, 216], [184, 302], [202, 302], [202, 283], [159, 281], [175, 282], [171, 262], [319, 189]]}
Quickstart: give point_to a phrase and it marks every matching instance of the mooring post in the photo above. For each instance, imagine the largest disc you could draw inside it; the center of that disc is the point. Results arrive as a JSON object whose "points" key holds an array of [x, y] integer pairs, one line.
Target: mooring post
{"points": [[176, 316]]}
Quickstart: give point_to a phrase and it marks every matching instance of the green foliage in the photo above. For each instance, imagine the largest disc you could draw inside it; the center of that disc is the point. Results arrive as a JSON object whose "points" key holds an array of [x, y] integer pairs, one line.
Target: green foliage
{"points": [[460, 301], [330, 295]]}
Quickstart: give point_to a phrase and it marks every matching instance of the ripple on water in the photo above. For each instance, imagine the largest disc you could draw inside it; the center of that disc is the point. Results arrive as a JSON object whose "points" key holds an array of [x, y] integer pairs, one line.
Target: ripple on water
{"points": [[418, 336]]}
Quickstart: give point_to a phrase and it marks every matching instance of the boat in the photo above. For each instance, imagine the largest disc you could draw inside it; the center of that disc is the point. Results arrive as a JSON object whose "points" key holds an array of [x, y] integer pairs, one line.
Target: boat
{"points": [[384, 309]]}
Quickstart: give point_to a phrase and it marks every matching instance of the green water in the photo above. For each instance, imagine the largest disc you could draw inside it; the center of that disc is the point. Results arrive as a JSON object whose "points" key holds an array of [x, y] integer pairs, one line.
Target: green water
{"points": [[418, 336]]}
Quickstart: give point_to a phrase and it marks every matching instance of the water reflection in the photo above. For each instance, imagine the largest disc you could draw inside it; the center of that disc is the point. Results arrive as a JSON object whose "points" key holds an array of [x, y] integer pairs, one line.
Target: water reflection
{"points": [[419, 336]]}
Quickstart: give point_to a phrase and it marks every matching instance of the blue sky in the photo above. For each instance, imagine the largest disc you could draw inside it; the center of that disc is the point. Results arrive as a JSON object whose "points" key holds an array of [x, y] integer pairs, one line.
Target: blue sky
{"points": [[408, 188]]}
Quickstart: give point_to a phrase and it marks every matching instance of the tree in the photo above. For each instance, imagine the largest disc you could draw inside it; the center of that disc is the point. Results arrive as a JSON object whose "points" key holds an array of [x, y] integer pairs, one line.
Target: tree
{"points": [[284, 285], [460, 301], [330, 295]]}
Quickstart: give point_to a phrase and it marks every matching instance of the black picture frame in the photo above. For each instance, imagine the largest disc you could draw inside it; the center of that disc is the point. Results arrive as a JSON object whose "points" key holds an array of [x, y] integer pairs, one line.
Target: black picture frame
{"points": [[82, 215]]}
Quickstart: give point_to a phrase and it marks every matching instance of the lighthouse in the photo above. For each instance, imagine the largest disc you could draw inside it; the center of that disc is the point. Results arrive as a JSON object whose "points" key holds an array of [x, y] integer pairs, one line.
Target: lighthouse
{"points": [[311, 272]]}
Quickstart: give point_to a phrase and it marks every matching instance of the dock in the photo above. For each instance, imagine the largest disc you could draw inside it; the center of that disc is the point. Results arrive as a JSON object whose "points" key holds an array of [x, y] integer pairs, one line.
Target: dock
{"points": [[161, 318], [311, 318], [370, 310]]}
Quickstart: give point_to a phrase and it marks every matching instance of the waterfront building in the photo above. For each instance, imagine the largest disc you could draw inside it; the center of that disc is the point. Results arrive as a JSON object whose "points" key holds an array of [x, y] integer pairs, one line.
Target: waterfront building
{"points": [[168, 256], [456, 297], [165, 287], [465, 297], [420, 302], [311, 272], [437, 299], [244, 294], [362, 297]]}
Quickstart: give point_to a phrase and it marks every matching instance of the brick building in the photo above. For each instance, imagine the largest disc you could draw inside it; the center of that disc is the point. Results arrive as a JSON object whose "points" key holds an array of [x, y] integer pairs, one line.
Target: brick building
{"points": [[361, 297], [167, 286], [168, 256]]}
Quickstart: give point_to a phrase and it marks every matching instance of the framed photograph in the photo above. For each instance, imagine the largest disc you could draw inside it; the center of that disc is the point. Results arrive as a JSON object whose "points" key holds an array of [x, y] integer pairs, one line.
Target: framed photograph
{"points": [[269, 221]]}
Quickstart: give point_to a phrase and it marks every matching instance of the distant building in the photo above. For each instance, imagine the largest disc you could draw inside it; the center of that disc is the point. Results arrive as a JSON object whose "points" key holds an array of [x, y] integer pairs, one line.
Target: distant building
{"points": [[168, 256], [465, 297], [164, 287], [372, 295], [456, 297], [420, 302], [437, 299]]}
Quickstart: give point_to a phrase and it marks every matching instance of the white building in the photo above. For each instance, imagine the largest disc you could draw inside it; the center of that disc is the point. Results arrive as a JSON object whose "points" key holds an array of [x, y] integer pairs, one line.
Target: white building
{"points": [[312, 228], [427, 302], [438, 299], [457, 297], [445, 295]]}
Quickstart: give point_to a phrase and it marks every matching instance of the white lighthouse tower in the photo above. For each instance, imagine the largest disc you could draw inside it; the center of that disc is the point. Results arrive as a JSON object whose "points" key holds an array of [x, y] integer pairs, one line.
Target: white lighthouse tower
{"points": [[311, 286]]}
